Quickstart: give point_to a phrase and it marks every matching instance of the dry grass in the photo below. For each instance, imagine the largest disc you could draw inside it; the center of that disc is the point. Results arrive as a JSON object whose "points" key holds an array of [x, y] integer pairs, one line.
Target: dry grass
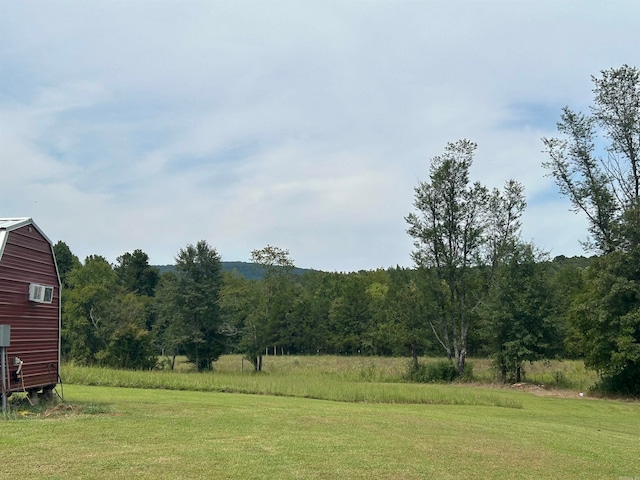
{"points": [[552, 374]]}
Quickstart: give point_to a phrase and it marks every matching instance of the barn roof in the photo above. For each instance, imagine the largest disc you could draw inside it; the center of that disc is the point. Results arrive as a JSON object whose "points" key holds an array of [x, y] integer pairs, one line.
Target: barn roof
{"points": [[11, 223], [8, 224]]}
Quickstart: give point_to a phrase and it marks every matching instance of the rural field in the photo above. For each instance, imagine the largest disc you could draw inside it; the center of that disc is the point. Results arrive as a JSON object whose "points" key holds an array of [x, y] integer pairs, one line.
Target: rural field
{"points": [[319, 418]]}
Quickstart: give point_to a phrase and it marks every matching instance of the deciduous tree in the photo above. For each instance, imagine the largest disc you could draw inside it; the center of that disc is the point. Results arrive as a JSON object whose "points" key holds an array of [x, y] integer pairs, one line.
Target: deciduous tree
{"points": [[86, 323], [460, 230], [65, 260], [135, 274], [606, 320], [519, 311], [189, 305], [602, 188], [272, 305]]}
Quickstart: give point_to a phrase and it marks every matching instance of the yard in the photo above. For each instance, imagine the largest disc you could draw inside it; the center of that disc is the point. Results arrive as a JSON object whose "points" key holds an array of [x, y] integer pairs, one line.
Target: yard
{"points": [[410, 432]]}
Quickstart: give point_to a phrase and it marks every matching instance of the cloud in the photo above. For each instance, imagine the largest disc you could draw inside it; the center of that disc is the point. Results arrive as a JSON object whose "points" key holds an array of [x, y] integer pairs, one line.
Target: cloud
{"points": [[305, 125]]}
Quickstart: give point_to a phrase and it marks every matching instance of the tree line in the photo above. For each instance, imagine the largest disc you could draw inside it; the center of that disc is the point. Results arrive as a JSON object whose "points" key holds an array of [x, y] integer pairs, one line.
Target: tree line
{"points": [[127, 315], [476, 289]]}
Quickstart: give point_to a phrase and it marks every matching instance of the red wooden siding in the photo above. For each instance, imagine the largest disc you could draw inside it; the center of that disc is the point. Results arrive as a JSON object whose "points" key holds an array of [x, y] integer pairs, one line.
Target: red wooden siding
{"points": [[35, 327]]}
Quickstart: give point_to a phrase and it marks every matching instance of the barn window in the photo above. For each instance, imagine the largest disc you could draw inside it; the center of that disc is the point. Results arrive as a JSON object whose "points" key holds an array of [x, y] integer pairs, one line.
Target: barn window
{"points": [[40, 293]]}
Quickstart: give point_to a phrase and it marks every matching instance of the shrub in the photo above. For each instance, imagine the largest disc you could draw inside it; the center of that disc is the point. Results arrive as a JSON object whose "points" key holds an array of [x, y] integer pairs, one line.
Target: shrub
{"points": [[467, 373], [439, 371], [626, 382], [560, 379]]}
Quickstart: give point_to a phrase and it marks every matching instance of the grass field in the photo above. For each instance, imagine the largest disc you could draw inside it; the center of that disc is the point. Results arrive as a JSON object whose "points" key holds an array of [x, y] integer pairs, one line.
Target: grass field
{"points": [[104, 432], [233, 370]]}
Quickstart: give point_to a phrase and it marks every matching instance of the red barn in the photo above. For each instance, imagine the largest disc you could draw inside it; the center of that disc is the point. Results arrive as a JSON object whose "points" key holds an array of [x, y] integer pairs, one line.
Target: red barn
{"points": [[30, 305]]}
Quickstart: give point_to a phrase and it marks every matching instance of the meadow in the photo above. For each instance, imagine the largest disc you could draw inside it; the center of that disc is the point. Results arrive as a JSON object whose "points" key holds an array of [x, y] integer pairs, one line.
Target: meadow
{"points": [[318, 418]]}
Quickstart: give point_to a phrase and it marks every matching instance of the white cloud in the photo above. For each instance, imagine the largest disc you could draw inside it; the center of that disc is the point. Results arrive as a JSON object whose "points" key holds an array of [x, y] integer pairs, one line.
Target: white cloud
{"points": [[156, 124]]}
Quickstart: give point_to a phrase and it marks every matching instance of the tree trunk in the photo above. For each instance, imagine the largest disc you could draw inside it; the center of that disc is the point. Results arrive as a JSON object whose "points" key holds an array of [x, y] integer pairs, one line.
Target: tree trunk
{"points": [[414, 357], [460, 360], [460, 352]]}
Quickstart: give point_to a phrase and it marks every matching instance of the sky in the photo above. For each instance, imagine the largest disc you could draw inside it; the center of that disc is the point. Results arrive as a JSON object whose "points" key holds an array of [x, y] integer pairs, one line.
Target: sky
{"points": [[306, 125]]}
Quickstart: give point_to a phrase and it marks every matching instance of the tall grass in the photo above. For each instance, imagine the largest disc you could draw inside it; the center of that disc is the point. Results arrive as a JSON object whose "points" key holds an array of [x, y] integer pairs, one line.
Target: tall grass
{"points": [[554, 374], [288, 384], [345, 379]]}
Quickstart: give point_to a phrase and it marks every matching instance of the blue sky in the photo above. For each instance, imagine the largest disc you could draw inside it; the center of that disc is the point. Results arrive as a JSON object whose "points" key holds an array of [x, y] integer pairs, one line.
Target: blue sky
{"points": [[306, 125]]}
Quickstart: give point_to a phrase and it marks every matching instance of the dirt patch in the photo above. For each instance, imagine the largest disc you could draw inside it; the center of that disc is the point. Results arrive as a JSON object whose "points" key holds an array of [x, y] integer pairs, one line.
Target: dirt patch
{"points": [[543, 391], [62, 409]]}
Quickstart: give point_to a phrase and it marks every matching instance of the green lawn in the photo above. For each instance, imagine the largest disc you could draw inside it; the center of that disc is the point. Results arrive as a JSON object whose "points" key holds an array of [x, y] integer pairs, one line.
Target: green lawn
{"points": [[169, 434]]}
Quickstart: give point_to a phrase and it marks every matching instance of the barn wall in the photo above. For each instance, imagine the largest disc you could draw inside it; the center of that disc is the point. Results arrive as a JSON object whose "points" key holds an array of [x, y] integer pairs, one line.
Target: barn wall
{"points": [[35, 327]]}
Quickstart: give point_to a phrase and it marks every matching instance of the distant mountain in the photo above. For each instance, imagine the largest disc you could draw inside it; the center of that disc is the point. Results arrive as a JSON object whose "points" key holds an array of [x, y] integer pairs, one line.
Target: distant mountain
{"points": [[250, 271]]}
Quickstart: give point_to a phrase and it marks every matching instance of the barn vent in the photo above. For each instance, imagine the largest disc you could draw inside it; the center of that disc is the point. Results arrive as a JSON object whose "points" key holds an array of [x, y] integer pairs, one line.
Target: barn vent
{"points": [[40, 293]]}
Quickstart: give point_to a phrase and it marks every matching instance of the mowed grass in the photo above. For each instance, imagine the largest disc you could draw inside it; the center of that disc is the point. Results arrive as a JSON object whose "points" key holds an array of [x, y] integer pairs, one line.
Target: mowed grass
{"points": [[196, 430], [162, 434]]}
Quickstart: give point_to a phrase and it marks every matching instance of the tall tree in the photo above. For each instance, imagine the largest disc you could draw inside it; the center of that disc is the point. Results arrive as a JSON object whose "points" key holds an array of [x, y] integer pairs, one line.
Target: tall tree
{"points": [[189, 305], [86, 320], [273, 304], [130, 343], [601, 188], [101, 322], [605, 326], [65, 260], [313, 307], [406, 314], [350, 316], [238, 298], [167, 331], [518, 314], [135, 274], [460, 229]]}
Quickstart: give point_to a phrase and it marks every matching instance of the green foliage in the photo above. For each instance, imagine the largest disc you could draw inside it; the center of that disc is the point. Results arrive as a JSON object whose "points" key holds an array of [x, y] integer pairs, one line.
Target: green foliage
{"points": [[560, 379], [349, 316], [605, 322], [135, 274], [241, 302], [408, 303], [438, 371], [189, 306], [273, 304], [601, 188], [604, 317], [518, 315], [460, 230], [101, 322], [130, 344], [248, 270], [624, 382], [382, 312], [86, 310], [65, 260]]}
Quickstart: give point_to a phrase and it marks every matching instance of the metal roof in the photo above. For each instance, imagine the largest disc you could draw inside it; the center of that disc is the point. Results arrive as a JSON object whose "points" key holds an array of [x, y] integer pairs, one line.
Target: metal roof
{"points": [[12, 223], [8, 224]]}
